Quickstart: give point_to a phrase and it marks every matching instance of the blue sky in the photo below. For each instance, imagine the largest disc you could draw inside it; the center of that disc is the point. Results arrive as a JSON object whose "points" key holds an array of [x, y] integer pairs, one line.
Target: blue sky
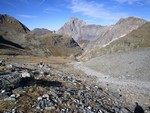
{"points": [[52, 14]]}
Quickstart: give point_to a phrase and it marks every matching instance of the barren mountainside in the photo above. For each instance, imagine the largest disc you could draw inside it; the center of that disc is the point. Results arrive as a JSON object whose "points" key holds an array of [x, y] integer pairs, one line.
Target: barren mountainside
{"points": [[115, 32], [16, 38], [52, 44], [97, 34]]}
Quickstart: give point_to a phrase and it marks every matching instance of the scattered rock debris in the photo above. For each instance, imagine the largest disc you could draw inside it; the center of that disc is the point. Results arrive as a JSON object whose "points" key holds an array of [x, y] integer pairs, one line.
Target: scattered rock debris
{"points": [[25, 90]]}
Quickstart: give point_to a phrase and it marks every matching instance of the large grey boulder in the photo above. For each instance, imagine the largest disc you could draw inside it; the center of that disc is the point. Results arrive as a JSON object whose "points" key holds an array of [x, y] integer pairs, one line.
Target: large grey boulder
{"points": [[9, 81]]}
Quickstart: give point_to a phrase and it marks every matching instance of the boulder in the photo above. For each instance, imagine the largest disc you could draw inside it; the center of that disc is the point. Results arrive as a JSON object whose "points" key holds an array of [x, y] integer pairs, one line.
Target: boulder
{"points": [[9, 81]]}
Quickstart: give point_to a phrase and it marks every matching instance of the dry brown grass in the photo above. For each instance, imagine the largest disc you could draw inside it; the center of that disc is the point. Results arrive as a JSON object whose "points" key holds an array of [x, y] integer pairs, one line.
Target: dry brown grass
{"points": [[34, 60]]}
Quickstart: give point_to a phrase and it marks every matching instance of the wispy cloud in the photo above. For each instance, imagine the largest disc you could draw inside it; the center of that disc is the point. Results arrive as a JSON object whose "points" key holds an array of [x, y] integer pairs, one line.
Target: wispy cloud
{"points": [[51, 10], [142, 2], [9, 3], [94, 9], [27, 16], [42, 1]]}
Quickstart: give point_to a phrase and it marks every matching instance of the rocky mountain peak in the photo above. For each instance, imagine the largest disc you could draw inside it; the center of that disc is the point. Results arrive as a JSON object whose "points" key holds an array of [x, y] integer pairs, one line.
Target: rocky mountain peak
{"points": [[4, 18], [75, 20], [7, 21], [72, 28], [79, 30], [130, 20]]}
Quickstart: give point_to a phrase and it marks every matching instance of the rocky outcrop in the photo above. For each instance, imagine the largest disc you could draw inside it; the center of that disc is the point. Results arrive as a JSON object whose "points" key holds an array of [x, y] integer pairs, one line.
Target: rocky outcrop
{"points": [[41, 31]]}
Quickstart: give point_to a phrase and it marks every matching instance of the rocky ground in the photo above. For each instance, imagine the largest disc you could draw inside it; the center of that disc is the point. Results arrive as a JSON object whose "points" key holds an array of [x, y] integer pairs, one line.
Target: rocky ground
{"points": [[54, 87], [127, 73]]}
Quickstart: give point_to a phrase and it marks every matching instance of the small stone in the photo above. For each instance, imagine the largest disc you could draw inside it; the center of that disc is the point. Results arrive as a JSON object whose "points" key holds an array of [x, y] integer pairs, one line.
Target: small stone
{"points": [[25, 74], [41, 73], [50, 108], [89, 107], [46, 96], [9, 66], [2, 63], [13, 96], [3, 91], [17, 95], [39, 98]]}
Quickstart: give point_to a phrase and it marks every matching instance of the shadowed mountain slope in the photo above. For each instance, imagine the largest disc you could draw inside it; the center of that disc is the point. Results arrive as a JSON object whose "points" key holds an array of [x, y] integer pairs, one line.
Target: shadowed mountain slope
{"points": [[16, 38]]}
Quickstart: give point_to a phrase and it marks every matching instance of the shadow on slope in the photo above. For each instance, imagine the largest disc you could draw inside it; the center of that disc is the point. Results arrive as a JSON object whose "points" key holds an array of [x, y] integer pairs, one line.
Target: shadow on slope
{"points": [[29, 81], [4, 44]]}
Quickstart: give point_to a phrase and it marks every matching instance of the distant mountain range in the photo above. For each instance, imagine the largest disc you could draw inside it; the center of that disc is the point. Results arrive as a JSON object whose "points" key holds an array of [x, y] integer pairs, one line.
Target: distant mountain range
{"points": [[94, 37], [96, 40], [16, 38], [41, 31], [79, 30]]}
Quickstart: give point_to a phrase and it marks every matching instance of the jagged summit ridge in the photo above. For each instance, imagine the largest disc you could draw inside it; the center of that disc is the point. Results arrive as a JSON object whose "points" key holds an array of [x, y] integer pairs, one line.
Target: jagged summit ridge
{"points": [[72, 28], [79, 30]]}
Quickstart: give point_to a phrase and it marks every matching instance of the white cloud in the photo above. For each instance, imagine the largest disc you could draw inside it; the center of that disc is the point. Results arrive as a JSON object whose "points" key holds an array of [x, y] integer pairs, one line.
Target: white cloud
{"points": [[94, 9], [27, 16], [142, 2]]}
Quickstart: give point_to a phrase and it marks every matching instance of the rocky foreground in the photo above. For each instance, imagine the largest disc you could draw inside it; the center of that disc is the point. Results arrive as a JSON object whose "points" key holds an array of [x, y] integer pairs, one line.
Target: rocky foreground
{"points": [[41, 88]]}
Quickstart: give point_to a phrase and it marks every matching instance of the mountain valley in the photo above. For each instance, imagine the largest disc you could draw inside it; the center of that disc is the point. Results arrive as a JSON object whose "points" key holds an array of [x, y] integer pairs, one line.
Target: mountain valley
{"points": [[80, 68]]}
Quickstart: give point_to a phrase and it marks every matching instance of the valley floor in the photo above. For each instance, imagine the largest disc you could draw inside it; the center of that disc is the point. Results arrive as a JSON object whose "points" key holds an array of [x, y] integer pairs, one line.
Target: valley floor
{"points": [[78, 91]]}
